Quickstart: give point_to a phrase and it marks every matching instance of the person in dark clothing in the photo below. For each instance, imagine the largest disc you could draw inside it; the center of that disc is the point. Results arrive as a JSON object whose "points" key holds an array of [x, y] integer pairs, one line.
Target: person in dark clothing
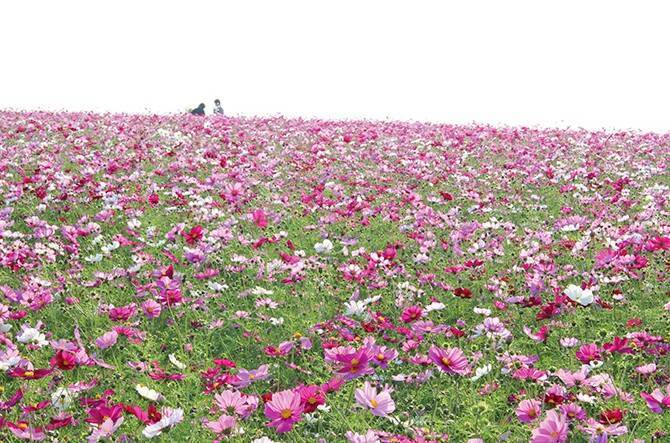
{"points": [[200, 110], [217, 107]]}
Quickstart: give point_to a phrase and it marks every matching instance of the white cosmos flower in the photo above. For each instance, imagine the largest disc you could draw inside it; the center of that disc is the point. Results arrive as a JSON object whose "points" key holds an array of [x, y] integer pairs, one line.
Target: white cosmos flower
{"points": [[93, 258], [9, 362], [586, 398], [110, 247], [134, 223], [435, 306], [482, 311], [582, 296], [61, 398], [480, 372], [214, 286], [148, 393], [355, 308], [369, 300], [263, 440], [32, 335], [570, 228], [277, 321], [170, 418], [261, 291], [176, 362], [324, 247]]}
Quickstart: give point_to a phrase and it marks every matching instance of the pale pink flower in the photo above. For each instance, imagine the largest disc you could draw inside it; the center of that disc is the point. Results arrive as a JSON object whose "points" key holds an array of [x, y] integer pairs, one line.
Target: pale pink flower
{"points": [[380, 404]]}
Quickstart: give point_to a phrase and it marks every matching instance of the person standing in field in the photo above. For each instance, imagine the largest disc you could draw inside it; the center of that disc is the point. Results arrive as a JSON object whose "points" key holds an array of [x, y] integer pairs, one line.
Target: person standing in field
{"points": [[217, 107], [200, 110]]}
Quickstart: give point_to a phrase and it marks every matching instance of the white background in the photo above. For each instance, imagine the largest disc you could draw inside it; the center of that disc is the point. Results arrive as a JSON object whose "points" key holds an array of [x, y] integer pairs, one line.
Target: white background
{"points": [[552, 63]]}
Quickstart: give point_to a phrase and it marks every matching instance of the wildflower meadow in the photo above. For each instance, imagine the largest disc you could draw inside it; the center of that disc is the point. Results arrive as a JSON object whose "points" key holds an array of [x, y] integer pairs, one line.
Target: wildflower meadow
{"points": [[189, 279]]}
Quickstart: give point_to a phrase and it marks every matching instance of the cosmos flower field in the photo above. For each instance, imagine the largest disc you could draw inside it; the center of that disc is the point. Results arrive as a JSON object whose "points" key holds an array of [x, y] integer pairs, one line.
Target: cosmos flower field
{"points": [[188, 279]]}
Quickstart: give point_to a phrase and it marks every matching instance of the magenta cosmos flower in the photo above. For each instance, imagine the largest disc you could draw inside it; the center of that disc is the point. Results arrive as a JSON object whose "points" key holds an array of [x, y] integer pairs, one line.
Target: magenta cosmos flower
{"points": [[380, 404], [284, 410], [553, 429], [450, 360]]}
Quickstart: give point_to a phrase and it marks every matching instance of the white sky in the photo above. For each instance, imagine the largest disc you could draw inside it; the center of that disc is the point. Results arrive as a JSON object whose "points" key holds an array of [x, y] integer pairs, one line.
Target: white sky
{"points": [[563, 63]]}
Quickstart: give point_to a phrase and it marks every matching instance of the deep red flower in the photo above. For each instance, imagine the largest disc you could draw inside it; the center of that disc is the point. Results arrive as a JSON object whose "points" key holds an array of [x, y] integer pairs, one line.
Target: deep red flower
{"points": [[60, 421], [34, 374], [154, 199], [611, 416], [64, 360], [311, 397], [193, 236], [463, 293]]}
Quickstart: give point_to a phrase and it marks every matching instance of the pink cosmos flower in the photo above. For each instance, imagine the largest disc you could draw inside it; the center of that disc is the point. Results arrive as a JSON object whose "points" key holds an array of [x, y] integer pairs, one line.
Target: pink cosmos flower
{"points": [[151, 309], [600, 433], [380, 404], [223, 424], [450, 360], [284, 410], [540, 336], [382, 356], [105, 429], [569, 342], [528, 410], [231, 402], [573, 411], [246, 377], [553, 429], [332, 385], [525, 373], [25, 432], [646, 369], [107, 340], [369, 437], [657, 400], [571, 379]]}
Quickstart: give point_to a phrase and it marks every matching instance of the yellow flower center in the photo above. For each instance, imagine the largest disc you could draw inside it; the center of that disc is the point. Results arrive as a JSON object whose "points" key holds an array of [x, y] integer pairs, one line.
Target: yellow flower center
{"points": [[374, 403], [23, 426], [251, 376], [286, 414], [29, 374], [355, 362], [381, 357], [446, 361]]}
